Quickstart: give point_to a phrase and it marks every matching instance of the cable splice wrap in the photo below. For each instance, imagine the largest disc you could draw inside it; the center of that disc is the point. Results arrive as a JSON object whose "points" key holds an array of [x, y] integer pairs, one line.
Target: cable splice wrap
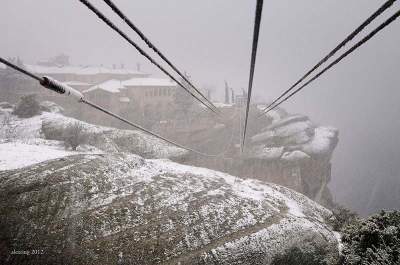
{"points": [[60, 88]]}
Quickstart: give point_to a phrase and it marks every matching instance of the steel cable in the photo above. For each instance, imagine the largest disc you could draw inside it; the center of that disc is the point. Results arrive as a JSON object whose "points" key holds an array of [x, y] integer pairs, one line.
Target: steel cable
{"points": [[154, 48], [54, 85], [344, 55], [257, 23], [350, 37], [141, 51]]}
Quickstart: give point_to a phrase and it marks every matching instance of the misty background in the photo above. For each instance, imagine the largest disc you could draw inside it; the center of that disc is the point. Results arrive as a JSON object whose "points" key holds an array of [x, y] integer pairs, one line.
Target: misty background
{"points": [[211, 40]]}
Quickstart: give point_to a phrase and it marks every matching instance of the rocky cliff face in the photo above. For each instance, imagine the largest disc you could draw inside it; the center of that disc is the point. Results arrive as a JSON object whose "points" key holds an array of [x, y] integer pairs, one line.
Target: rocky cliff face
{"points": [[123, 209], [295, 152], [282, 148]]}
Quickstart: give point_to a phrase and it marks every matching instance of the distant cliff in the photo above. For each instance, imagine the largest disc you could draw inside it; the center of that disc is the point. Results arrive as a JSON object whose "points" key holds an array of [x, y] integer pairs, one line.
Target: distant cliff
{"points": [[282, 148]]}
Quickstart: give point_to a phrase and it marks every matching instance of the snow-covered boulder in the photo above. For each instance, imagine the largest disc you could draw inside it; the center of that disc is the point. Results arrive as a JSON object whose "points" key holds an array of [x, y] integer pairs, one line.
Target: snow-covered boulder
{"points": [[123, 209], [50, 126], [51, 107], [296, 132]]}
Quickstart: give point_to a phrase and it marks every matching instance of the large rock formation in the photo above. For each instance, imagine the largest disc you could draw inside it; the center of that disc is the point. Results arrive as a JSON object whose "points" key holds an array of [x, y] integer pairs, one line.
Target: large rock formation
{"points": [[294, 152], [103, 204], [123, 209], [287, 149]]}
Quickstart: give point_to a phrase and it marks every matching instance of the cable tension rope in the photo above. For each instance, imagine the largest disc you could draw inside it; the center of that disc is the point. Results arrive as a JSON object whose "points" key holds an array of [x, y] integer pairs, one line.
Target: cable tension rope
{"points": [[350, 37], [66, 90], [257, 23], [154, 48], [351, 50], [141, 51]]}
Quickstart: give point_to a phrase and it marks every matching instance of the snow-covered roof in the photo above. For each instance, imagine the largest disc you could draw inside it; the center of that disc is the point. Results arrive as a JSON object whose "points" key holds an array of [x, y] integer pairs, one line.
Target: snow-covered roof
{"points": [[80, 70], [112, 86], [77, 83], [148, 82]]}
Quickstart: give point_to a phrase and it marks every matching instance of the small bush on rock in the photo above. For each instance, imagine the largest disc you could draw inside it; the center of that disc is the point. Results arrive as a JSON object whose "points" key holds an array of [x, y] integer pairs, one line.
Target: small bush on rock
{"points": [[52, 132], [308, 253], [27, 107], [74, 135], [342, 217]]}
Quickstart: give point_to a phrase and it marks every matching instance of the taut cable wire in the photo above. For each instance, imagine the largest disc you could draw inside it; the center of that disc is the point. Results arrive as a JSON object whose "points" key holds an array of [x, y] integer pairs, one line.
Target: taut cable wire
{"points": [[140, 50], [154, 48], [64, 89], [351, 50], [350, 37], [257, 23]]}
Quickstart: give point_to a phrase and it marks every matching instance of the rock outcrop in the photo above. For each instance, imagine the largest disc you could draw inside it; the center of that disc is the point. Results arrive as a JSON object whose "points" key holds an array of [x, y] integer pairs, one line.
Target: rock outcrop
{"points": [[294, 152], [286, 149], [51, 124], [123, 209]]}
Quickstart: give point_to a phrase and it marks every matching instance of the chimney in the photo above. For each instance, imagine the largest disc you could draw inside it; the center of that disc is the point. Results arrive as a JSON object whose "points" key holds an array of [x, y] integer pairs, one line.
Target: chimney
{"points": [[122, 66], [138, 67], [233, 96], [226, 93]]}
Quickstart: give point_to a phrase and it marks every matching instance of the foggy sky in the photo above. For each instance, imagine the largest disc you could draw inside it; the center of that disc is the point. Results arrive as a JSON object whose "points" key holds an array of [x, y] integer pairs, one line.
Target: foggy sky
{"points": [[211, 40]]}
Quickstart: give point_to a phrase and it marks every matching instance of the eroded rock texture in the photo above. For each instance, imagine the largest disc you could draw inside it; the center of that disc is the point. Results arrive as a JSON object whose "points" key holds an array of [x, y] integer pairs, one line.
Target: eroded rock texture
{"points": [[123, 209]]}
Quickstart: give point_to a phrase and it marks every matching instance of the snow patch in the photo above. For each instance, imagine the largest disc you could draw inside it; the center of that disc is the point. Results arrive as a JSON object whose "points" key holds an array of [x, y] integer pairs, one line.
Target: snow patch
{"points": [[17, 155]]}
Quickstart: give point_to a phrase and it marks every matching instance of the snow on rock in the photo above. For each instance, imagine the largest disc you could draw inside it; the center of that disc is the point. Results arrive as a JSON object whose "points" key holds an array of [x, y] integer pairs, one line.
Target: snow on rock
{"points": [[104, 138], [16, 155], [262, 137], [49, 106], [295, 156], [288, 120], [123, 209], [324, 141], [296, 133], [267, 153]]}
